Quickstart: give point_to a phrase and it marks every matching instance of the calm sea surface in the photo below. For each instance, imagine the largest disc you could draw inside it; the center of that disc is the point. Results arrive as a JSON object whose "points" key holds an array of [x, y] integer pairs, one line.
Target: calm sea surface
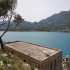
{"points": [[52, 39]]}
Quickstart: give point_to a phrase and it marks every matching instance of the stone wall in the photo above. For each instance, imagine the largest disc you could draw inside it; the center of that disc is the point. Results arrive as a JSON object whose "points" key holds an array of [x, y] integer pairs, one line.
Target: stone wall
{"points": [[25, 58], [53, 62]]}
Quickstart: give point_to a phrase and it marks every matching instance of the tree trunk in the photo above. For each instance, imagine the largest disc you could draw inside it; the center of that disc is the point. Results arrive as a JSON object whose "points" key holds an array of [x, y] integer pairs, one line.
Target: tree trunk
{"points": [[1, 42]]}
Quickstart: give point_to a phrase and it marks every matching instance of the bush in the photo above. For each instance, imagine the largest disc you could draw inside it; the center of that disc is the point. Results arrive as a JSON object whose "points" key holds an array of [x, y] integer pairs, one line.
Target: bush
{"points": [[11, 68], [12, 51], [3, 59], [1, 68], [32, 67], [13, 62]]}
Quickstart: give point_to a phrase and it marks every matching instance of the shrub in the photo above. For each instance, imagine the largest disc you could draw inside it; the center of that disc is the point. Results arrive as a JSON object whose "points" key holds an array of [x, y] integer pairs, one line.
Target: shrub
{"points": [[1, 68], [3, 59], [12, 51], [32, 67]]}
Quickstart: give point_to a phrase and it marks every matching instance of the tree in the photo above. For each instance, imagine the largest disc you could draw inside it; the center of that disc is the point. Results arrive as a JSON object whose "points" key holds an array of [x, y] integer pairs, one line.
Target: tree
{"points": [[7, 13]]}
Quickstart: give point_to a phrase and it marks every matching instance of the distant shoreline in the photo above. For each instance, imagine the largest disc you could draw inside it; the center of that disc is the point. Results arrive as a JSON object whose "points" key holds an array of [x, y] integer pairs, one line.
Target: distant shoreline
{"points": [[38, 31]]}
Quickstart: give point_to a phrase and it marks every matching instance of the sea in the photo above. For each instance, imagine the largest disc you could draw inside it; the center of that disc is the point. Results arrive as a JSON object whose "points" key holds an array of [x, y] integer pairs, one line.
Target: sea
{"points": [[58, 40]]}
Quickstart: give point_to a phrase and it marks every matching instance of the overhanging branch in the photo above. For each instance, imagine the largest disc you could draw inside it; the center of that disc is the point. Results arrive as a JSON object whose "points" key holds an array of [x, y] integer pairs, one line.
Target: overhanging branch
{"points": [[7, 26]]}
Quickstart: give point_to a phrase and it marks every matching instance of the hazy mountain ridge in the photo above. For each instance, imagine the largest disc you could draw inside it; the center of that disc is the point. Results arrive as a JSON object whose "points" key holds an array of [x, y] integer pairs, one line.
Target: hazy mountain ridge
{"points": [[61, 19], [56, 21]]}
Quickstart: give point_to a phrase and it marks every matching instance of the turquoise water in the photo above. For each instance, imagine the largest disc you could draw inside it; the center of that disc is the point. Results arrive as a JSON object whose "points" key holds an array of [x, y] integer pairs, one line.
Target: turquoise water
{"points": [[52, 39]]}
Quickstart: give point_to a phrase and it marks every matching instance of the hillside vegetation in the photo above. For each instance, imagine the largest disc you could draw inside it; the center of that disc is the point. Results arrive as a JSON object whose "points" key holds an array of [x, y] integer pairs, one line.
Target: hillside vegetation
{"points": [[8, 61]]}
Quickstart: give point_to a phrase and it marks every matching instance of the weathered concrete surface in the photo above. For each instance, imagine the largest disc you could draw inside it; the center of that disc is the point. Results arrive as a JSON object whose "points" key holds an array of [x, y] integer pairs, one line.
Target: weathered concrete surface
{"points": [[42, 57]]}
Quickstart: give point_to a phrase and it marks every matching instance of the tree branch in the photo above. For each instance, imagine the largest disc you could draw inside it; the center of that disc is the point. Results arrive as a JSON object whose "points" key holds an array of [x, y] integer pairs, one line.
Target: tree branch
{"points": [[14, 26], [7, 27]]}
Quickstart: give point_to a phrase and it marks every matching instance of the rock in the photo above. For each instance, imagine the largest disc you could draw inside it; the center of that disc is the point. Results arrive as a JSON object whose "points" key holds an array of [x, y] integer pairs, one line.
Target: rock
{"points": [[27, 65], [9, 53], [35, 69], [9, 65], [67, 56], [4, 55], [1, 63]]}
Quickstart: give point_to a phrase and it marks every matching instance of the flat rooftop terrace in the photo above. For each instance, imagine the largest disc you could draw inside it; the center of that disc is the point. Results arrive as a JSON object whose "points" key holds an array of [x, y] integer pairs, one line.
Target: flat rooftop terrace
{"points": [[35, 51]]}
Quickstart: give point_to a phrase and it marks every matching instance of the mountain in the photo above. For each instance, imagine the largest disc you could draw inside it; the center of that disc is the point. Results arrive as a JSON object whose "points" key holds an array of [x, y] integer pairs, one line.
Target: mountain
{"points": [[5, 25], [61, 19], [56, 22]]}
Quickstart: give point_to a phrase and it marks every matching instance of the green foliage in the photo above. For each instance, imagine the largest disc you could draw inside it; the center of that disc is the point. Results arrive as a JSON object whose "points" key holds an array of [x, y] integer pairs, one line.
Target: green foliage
{"points": [[1, 51], [12, 68], [18, 19], [16, 63], [1, 68], [12, 62], [7, 12], [12, 51], [32, 67], [7, 6], [3, 59]]}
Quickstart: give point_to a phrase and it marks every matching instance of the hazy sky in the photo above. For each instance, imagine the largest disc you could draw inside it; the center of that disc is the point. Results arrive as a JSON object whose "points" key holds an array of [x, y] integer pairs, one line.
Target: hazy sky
{"points": [[36, 10]]}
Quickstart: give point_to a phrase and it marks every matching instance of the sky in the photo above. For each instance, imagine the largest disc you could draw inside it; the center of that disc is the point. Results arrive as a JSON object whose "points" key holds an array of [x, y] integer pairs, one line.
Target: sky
{"points": [[36, 10]]}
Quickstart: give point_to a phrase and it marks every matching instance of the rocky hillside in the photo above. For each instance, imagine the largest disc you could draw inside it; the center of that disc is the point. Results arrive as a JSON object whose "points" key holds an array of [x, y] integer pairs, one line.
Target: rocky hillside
{"points": [[8, 61]]}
